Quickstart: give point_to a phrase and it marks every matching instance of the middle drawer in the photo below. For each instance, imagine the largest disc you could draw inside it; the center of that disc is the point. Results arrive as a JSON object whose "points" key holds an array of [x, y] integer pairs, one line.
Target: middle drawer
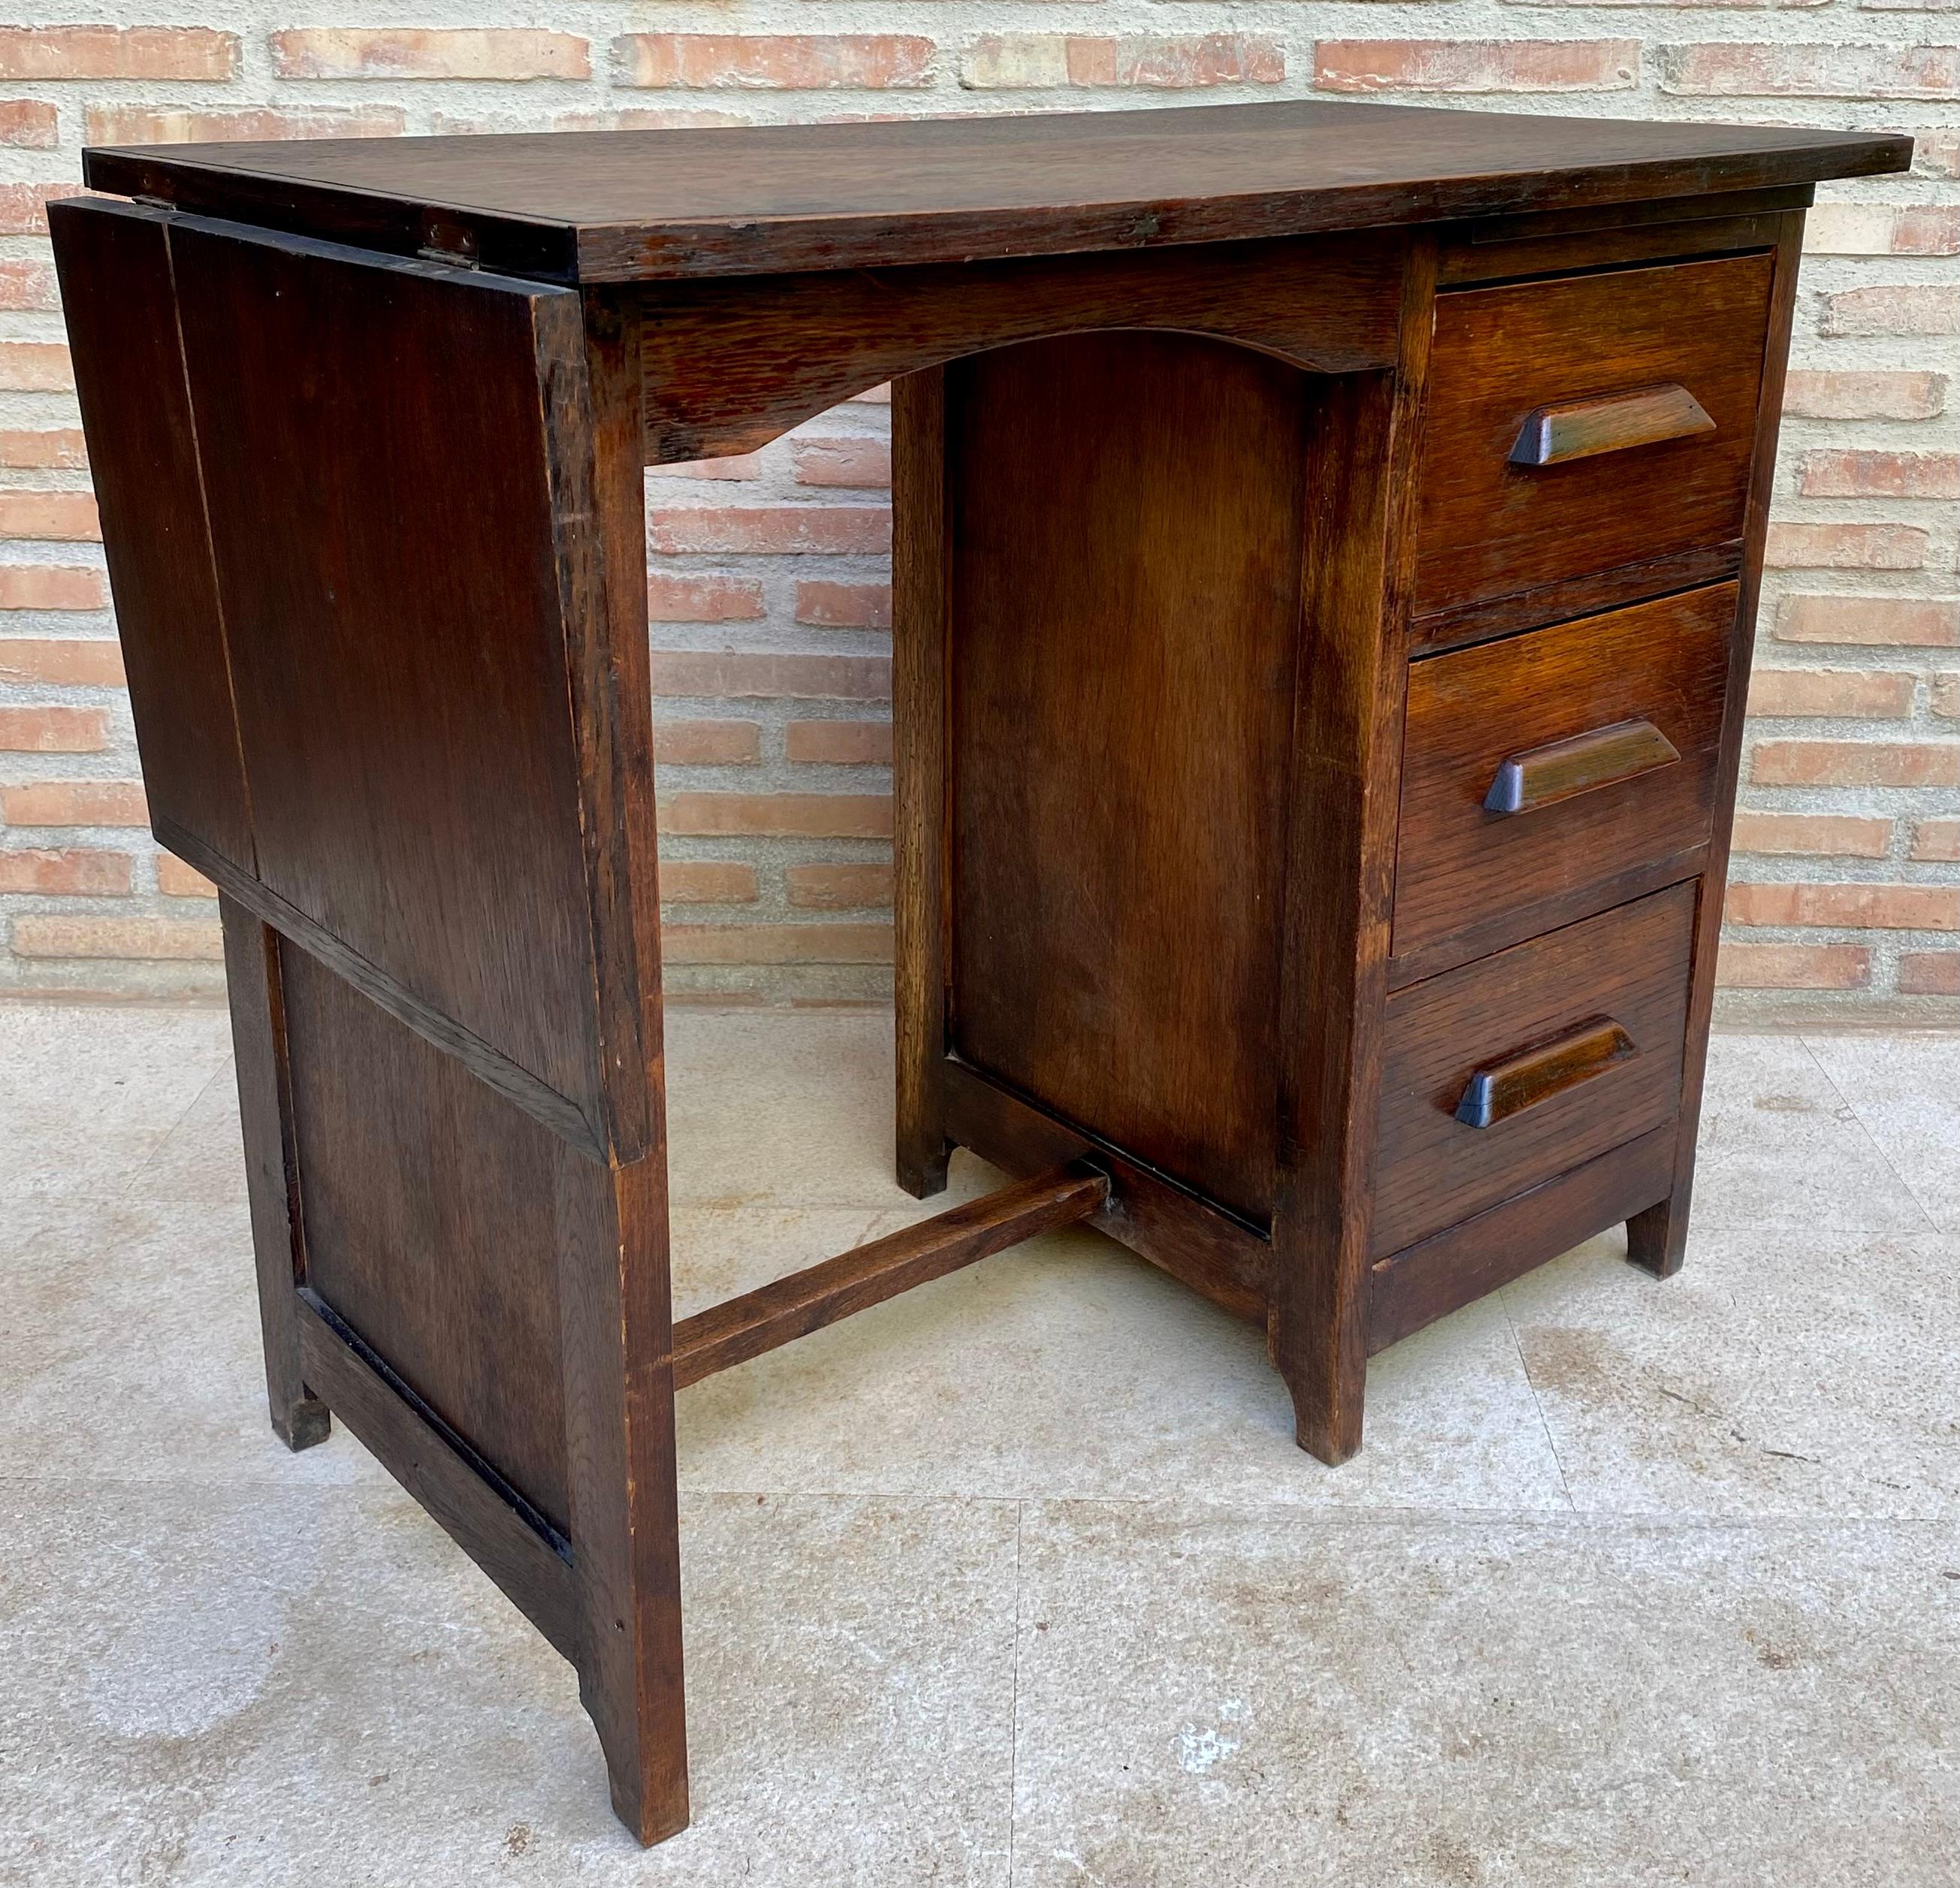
{"points": [[1552, 774]]}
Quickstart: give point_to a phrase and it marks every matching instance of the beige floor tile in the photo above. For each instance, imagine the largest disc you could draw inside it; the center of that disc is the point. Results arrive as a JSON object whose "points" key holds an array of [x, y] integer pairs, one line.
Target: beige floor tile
{"points": [[1067, 1367], [87, 1092], [1906, 1090], [1780, 1372], [245, 1687], [1780, 1146], [133, 1354], [1265, 1698]]}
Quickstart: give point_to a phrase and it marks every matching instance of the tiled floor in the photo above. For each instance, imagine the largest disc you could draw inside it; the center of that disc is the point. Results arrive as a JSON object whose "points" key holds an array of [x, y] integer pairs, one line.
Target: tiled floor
{"points": [[1018, 1578]]}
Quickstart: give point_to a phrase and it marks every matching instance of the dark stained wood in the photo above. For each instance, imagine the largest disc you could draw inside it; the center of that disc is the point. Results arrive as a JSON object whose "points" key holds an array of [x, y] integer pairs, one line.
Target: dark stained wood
{"points": [[614, 1279], [1426, 1282], [1575, 596], [1219, 1257], [1533, 1075], [786, 1309], [1541, 776], [1656, 1238], [115, 268], [1566, 430], [1126, 512], [474, 1509], [921, 805], [620, 205], [1629, 965], [1512, 248], [427, 1203], [258, 1040], [435, 830], [732, 364], [1349, 688], [1470, 879], [1490, 527]]}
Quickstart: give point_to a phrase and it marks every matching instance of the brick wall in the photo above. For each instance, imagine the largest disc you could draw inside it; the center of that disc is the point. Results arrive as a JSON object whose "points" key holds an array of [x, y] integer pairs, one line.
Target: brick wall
{"points": [[768, 574]]}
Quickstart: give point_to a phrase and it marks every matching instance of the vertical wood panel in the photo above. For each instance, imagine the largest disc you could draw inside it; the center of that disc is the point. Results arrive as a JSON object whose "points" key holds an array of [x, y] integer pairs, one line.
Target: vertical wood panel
{"points": [[121, 310], [1126, 512]]}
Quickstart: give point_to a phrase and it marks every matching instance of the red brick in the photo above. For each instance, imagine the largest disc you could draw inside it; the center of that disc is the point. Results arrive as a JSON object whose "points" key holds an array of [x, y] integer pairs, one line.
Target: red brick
{"points": [[1929, 974], [1867, 474], [1476, 66], [1937, 153], [23, 207], [74, 803], [181, 124], [673, 597], [788, 61], [1779, 966], [53, 730], [397, 52], [840, 886], [775, 530], [27, 285], [1846, 547], [1016, 60], [1894, 309], [110, 52], [1819, 395], [707, 882], [1712, 69], [1812, 835], [776, 943], [1878, 694], [706, 743], [32, 121], [66, 515], [1896, 621], [51, 586], [35, 367], [42, 447], [92, 664], [631, 118], [842, 744], [815, 816], [688, 673], [1946, 696], [1855, 763], [138, 937], [68, 871], [177, 880], [844, 606], [860, 463], [1881, 229], [1936, 840], [737, 465], [1864, 907]]}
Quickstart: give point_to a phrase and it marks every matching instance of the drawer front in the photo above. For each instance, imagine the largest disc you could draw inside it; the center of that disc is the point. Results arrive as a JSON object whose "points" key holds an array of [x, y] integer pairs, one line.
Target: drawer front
{"points": [[1541, 773], [1581, 424], [1561, 1049]]}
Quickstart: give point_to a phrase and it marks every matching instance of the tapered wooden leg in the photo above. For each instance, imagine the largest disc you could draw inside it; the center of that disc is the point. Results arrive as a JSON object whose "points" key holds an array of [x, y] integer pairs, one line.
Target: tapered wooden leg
{"points": [[1657, 1239], [258, 1039], [918, 775]]}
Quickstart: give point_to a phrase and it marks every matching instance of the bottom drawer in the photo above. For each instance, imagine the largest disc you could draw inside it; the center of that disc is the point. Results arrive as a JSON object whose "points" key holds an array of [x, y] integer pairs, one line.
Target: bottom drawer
{"points": [[1511, 1070]]}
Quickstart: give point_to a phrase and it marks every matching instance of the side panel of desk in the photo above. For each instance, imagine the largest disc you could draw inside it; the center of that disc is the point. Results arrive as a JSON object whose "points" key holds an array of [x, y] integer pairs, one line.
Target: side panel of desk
{"points": [[391, 695]]}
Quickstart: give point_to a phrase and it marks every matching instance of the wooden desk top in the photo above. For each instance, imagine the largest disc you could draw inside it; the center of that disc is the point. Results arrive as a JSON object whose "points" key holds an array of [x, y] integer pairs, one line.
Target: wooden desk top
{"points": [[629, 205]]}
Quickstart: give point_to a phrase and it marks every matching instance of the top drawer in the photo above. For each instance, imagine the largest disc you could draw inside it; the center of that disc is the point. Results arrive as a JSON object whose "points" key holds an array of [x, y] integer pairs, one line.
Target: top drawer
{"points": [[1618, 482]]}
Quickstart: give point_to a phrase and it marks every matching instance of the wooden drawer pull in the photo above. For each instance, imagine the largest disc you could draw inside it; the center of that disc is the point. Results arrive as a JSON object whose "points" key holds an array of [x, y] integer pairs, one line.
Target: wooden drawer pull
{"points": [[1533, 1075], [1603, 757], [1609, 422]]}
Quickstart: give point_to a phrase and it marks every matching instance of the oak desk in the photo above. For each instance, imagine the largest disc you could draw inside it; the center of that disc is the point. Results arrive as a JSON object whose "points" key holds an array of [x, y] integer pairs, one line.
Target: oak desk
{"points": [[1327, 544]]}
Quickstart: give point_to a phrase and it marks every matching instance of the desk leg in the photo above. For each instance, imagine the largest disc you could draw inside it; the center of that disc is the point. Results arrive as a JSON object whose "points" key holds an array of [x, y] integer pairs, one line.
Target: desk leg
{"points": [[919, 579], [1347, 759]]}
